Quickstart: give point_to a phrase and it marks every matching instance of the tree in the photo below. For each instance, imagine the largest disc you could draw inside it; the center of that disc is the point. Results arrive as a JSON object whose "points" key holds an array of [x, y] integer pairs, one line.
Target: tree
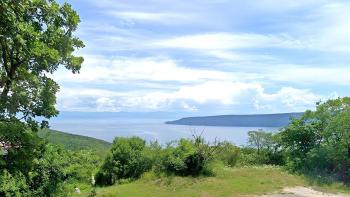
{"points": [[36, 37], [260, 140], [319, 142]]}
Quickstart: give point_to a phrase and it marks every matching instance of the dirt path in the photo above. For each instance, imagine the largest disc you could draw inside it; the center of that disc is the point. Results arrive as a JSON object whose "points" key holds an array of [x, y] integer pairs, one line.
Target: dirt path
{"points": [[303, 192]]}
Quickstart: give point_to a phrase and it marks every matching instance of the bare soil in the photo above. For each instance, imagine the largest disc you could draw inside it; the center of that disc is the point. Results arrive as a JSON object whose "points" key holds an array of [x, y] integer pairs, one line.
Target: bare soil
{"points": [[303, 192]]}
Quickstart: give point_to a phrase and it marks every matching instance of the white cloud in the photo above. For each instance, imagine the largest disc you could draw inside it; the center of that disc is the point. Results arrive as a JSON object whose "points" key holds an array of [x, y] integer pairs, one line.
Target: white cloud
{"points": [[189, 98], [288, 97], [150, 16], [225, 41], [332, 29], [116, 69], [310, 75], [221, 92]]}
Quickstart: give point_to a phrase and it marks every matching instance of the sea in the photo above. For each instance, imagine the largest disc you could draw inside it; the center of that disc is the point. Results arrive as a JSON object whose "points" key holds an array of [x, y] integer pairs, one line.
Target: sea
{"points": [[150, 129]]}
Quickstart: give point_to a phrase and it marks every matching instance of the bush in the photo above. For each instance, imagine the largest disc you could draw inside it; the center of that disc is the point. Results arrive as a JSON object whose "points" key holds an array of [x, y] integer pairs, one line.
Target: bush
{"points": [[229, 154], [48, 174], [175, 157], [187, 157], [127, 159], [82, 165], [28, 163], [23, 147], [13, 185], [318, 142]]}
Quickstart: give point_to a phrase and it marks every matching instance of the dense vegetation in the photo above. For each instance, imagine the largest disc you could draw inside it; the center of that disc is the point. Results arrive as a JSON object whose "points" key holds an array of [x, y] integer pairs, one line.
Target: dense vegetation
{"points": [[318, 143], [43, 169], [36, 37]]}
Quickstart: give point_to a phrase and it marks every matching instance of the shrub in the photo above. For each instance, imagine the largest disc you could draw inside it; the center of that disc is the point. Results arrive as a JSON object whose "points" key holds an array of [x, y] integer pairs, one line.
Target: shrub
{"points": [[229, 154], [187, 157], [175, 158], [13, 184], [82, 165], [127, 159], [318, 142], [28, 162]]}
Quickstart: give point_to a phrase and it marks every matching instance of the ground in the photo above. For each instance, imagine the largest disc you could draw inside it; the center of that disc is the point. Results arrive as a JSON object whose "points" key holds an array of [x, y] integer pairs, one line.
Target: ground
{"points": [[303, 192], [267, 181]]}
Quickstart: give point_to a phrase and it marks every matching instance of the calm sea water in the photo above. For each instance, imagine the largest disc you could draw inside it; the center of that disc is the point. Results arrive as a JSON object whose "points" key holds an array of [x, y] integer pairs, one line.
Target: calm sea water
{"points": [[150, 129]]}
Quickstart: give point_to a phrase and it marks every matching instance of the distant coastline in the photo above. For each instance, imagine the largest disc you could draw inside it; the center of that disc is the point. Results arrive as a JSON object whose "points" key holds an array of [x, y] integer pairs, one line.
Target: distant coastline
{"points": [[251, 120]]}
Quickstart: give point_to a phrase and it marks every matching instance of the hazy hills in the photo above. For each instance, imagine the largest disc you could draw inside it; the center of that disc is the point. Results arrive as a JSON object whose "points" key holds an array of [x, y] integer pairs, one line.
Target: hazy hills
{"points": [[254, 120]]}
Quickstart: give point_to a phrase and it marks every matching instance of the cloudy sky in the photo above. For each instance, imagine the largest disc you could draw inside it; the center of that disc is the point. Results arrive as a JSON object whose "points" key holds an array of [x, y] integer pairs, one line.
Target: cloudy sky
{"points": [[208, 56]]}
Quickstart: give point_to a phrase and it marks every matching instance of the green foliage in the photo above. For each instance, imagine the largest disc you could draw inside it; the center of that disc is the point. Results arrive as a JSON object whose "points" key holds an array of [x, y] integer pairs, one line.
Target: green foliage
{"points": [[263, 148], [75, 142], [229, 154], [127, 159], [260, 140], [44, 175], [81, 165], [33, 168], [13, 185], [187, 157], [319, 142], [36, 37], [48, 174], [22, 147]]}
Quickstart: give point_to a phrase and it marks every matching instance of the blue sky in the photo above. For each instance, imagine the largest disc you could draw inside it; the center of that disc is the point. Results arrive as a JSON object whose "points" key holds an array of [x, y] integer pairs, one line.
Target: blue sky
{"points": [[208, 56]]}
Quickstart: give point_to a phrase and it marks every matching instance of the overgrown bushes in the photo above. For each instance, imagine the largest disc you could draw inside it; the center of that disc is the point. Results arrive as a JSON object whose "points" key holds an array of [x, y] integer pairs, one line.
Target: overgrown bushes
{"points": [[29, 166], [127, 159], [319, 142], [130, 157], [28, 163], [187, 157], [229, 154]]}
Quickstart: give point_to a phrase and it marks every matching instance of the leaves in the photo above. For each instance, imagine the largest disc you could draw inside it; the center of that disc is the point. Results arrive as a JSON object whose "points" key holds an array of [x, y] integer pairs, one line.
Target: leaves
{"points": [[319, 141], [36, 37]]}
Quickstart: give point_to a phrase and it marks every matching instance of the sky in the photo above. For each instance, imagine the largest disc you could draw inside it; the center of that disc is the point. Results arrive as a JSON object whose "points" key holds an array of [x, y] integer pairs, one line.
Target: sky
{"points": [[208, 56]]}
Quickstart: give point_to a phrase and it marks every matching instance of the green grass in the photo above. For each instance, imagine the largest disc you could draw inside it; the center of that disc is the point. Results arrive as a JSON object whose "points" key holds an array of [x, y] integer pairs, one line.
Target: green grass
{"points": [[228, 182], [75, 142]]}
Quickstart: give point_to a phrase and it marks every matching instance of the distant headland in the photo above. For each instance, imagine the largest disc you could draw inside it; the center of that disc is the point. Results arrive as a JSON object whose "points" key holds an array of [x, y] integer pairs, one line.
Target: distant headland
{"points": [[251, 120]]}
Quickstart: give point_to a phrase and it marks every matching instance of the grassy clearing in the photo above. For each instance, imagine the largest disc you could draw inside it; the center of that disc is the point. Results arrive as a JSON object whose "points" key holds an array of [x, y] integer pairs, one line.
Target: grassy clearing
{"points": [[227, 182]]}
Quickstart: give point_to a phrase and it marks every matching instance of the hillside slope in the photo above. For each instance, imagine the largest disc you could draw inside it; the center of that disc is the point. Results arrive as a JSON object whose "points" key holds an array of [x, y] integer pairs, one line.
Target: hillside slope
{"points": [[75, 142], [255, 120]]}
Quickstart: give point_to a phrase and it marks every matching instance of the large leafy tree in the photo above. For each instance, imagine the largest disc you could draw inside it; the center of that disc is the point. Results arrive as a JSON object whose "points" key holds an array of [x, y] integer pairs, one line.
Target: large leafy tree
{"points": [[36, 37]]}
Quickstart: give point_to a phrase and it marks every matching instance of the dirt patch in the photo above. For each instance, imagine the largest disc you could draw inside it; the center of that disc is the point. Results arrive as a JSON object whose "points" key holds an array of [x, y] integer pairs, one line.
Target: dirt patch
{"points": [[303, 192]]}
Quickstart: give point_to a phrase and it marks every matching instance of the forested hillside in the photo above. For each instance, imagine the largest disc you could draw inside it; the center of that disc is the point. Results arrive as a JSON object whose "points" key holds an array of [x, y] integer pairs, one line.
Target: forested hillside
{"points": [[74, 142]]}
